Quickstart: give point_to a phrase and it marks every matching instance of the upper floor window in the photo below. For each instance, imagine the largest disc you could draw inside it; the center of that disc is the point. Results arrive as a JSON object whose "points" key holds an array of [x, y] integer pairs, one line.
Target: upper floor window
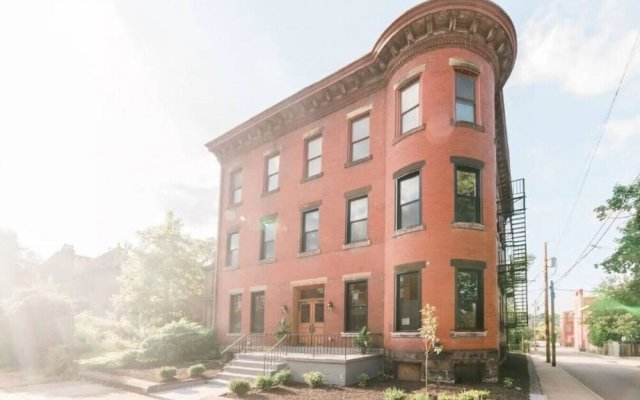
{"points": [[268, 242], [410, 107], [236, 186], [469, 300], [273, 173], [467, 198], [235, 313], [465, 97], [233, 244], [408, 301], [408, 201], [359, 139], [314, 157], [310, 230], [358, 219]]}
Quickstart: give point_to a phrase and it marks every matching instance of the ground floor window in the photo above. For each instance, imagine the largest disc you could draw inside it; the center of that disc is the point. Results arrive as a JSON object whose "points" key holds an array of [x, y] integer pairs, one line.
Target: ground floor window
{"points": [[235, 313], [357, 301], [257, 312], [408, 301], [469, 300]]}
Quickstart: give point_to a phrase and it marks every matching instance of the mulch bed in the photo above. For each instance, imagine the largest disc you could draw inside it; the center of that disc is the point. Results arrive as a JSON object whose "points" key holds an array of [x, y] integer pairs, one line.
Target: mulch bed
{"points": [[515, 368], [153, 374]]}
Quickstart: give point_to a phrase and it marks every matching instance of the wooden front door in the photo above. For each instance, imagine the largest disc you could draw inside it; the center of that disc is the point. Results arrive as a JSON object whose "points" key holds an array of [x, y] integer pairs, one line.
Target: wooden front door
{"points": [[311, 315]]}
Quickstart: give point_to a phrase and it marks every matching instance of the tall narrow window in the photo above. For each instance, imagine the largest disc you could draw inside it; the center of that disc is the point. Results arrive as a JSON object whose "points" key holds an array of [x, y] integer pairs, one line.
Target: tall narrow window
{"points": [[408, 202], [465, 97], [357, 225], [233, 244], [467, 196], [314, 157], [235, 313], [408, 301], [469, 300], [268, 245], [236, 187], [359, 139], [357, 306], [273, 173], [257, 312], [310, 230], [410, 107]]}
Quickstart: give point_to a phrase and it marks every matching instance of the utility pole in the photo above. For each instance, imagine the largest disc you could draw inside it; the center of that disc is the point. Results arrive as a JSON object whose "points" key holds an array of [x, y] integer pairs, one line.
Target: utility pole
{"points": [[553, 326], [546, 302], [535, 311]]}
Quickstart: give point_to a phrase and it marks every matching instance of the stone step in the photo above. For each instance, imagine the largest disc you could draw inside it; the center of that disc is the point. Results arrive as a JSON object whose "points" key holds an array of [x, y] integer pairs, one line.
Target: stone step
{"points": [[246, 363], [228, 376], [250, 356], [247, 371]]}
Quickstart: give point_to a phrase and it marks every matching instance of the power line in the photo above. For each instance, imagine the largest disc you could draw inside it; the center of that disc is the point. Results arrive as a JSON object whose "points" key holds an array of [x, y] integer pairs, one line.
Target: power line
{"points": [[594, 150]]}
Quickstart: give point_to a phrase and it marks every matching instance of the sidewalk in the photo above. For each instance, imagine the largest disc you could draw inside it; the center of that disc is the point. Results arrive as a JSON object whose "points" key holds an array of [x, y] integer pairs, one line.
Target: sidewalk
{"points": [[557, 384]]}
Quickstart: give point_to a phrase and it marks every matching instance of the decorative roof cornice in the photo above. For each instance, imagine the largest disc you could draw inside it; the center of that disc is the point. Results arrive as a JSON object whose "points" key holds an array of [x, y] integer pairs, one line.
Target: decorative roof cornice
{"points": [[477, 25]]}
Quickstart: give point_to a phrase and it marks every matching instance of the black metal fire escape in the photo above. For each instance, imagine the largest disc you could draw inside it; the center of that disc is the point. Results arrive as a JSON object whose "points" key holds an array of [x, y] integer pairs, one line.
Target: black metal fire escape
{"points": [[512, 262]]}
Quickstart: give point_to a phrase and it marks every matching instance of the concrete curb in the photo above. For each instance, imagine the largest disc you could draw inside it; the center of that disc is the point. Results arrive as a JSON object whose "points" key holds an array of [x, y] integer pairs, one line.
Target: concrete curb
{"points": [[535, 390], [136, 385]]}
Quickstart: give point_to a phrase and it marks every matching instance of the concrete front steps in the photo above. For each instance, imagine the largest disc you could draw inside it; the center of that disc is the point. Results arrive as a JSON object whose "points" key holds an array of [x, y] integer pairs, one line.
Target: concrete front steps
{"points": [[246, 366]]}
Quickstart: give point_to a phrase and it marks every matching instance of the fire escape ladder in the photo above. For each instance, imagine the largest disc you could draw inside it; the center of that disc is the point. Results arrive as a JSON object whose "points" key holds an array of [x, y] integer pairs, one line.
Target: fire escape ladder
{"points": [[512, 263]]}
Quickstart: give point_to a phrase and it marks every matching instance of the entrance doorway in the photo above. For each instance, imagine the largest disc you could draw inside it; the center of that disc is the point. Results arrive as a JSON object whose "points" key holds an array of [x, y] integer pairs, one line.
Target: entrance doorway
{"points": [[310, 314]]}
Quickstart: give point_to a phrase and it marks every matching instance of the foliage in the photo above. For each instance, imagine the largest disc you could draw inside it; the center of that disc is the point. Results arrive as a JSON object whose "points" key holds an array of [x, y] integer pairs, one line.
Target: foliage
{"points": [[363, 340], [394, 393], [265, 382], [428, 330], [197, 370], [447, 396], [178, 341], [474, 395], [117, 359], [163, 275], [284, 377], [94, 334], [168, 373], [239, 387], [60, 363], [382, 377], [363, 380], [37, 318], [508, 382], [418, 396], [313, 379], [609, 322], [283, 328]]}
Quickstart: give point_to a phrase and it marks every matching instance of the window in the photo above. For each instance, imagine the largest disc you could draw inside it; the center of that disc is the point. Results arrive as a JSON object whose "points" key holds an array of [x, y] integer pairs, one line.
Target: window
{"points": [[408, 202], [236, 187], [358, 215], [310, 230], [314, 157], [467, 196], [469, 307], [359, 139], [408, 301], [235, 313], [357, 304], [233, 244], [410, 107], [268, 246], [273, 173], [257, 312], [465, 97]]}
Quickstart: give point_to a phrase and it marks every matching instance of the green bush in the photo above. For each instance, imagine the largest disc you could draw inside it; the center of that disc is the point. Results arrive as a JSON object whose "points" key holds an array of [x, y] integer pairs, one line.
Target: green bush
{"points": [[313, 379], [178, 341], [197, 370], [382, 377], [508, 382], [116, 359], [447, 396], [265, 382], [98, 335], [394, 393], [418, 396], [474, 395], [239, 387], [363, 380], [168, 373], [284, 377]]}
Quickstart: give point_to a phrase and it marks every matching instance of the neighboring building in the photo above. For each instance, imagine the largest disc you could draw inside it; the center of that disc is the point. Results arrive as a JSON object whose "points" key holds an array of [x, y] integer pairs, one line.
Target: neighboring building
{"points": [[566, 329], [581, 305], [381, 188]]}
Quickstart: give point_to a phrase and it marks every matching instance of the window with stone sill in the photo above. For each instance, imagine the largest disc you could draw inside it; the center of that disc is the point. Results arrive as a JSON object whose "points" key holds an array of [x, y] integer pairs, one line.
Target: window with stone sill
{"points": [[408, 301], [310, 230], [408, 201], [469, 300], [268, 236], [233, 246], [409, 106], [313, 165], [465, 97], [235, 189], [359, 134], [467, 196], [357, 219], [235, 313], [272, 176]]}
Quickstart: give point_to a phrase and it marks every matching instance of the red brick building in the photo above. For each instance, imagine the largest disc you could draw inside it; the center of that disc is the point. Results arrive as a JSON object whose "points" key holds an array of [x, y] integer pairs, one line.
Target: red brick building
{"points": [[378, 189]]}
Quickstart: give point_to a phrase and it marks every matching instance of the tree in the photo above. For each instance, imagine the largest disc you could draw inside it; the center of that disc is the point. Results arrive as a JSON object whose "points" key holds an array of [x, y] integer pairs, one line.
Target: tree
{"points": [[428, 334], [163, 275]]}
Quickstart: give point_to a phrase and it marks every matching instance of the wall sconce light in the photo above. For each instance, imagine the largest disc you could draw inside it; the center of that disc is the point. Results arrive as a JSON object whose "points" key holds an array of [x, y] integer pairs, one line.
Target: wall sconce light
{"points": [[284, 309], [330, 305]]}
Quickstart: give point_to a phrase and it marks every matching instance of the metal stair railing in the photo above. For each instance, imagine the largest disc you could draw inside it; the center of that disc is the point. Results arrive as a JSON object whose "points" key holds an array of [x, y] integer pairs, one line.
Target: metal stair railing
{"points": [[274, 353]]}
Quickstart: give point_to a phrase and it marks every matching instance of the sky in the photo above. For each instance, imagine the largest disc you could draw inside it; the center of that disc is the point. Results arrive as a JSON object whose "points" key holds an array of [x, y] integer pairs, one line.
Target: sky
{"points": [[105, 107]]}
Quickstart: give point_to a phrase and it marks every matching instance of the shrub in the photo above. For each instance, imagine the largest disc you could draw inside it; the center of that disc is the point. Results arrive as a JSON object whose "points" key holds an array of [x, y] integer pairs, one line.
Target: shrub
{"points": [[284, 377], [447, 396], [394, 393], [507, 382], [313, 379], [197, 370], [239, 387], [382, 377], [60, 363], [474, 395], [418, 396], [363, 380], [283, 328], [98, 335], [168, 373], [178, 341], [116, 359], [265, 382]]}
